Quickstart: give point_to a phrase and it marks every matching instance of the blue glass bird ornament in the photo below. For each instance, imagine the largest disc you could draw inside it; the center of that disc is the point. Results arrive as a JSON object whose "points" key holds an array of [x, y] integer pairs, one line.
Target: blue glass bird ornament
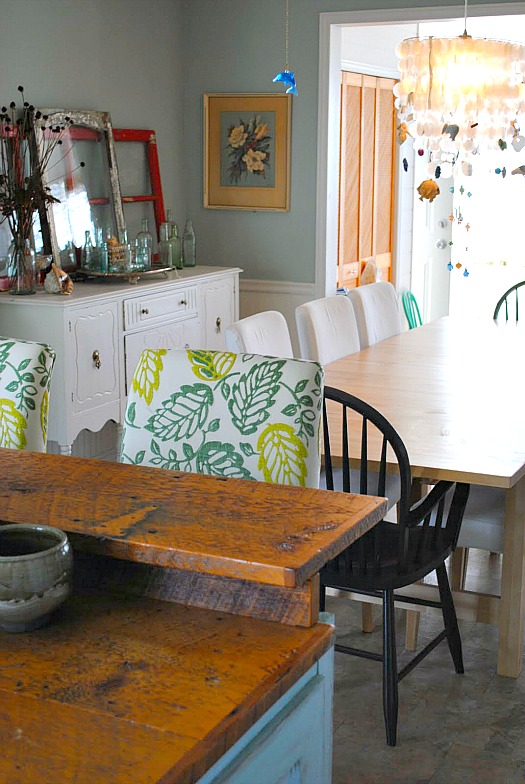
{"points": [[287, 77]]}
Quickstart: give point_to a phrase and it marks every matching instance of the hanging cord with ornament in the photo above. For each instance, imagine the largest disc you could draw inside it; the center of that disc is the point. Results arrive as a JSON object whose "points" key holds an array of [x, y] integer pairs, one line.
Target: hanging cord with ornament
{"points": [[286, 76]]}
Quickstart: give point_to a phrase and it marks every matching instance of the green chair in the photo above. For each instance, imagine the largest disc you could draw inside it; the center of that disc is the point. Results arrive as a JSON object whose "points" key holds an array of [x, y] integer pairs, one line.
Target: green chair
{"points": [[25, 378], [223, 414], [411, 309]]}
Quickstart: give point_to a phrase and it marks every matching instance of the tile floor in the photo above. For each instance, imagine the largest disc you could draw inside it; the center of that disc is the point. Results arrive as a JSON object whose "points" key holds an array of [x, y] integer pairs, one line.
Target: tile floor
{"points": [[452, 729]]}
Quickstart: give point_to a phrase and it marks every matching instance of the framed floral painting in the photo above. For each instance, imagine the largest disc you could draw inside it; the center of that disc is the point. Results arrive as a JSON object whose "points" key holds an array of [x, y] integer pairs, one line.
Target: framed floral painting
{"points": [[247, 151]]}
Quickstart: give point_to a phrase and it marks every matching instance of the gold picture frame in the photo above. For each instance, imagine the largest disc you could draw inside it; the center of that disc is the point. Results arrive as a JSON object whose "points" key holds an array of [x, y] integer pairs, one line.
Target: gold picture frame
{"points": [[247, 151]]}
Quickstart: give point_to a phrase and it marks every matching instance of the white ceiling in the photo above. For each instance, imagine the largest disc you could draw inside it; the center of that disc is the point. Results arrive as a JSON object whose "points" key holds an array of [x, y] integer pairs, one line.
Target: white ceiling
{"points": [[375, 44]]}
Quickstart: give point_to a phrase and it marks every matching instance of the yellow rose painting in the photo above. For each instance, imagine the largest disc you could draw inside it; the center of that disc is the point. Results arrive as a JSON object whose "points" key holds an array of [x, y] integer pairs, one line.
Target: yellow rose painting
{"points": [[247, 143], [248, 150]]}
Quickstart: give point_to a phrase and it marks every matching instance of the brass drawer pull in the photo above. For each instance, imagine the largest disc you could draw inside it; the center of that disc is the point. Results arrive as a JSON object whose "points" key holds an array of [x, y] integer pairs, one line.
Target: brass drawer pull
{"points": [[218, 325], [96, 359]]}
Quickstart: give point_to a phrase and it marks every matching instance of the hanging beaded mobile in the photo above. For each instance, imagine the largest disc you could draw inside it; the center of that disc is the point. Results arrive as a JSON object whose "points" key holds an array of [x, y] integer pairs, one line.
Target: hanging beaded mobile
{"points": [[286, 76]]}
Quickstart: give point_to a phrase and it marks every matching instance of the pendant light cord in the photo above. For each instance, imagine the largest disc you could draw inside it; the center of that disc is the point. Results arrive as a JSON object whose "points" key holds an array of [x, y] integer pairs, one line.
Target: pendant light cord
{"points": [[465, 30], [286, 28]]}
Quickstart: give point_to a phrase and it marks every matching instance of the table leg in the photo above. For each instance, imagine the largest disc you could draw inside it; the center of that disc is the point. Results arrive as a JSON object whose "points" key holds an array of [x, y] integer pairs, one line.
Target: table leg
{"points": [[512, 607]]}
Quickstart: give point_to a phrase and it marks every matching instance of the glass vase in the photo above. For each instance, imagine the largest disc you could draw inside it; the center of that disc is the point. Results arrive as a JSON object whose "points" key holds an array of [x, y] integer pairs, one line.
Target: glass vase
{"points": [[22, 278]]}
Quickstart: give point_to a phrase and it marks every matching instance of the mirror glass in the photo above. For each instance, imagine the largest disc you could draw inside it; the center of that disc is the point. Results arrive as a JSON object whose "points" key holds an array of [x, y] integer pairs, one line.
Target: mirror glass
{"points": [[82, 175]]}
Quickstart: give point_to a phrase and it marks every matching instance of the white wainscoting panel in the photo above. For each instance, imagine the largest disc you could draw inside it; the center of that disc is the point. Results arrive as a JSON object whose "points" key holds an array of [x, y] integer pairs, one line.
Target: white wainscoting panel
{"points": [[284, 296]]}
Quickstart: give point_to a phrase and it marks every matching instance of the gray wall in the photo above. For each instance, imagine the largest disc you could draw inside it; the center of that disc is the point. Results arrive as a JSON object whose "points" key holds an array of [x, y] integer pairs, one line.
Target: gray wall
{"points": [[238, 46], [149, 63], [121, 56]]}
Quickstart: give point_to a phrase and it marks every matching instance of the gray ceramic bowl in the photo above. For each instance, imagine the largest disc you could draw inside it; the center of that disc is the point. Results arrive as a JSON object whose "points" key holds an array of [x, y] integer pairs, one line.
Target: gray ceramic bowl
{"points": [[35, 575]]}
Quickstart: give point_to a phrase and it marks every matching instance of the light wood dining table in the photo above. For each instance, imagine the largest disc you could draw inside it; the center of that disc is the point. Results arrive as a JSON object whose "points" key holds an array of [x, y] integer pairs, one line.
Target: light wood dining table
{"points": [[455, 390]]}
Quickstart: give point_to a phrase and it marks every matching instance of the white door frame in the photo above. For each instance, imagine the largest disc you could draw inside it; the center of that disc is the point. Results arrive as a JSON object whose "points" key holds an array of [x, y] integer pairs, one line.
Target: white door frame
{"points": [[329, 114]]}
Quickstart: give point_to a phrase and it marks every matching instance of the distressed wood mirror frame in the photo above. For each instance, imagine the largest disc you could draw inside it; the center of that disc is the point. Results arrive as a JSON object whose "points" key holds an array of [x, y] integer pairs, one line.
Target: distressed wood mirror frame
{"points": [[88, 195]]}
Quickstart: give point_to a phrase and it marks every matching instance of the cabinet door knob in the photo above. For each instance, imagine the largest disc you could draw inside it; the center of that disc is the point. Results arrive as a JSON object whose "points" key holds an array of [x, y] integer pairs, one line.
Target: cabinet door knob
{"points": [[218, 324], [144, 311], [96, 359], [183, 302]]}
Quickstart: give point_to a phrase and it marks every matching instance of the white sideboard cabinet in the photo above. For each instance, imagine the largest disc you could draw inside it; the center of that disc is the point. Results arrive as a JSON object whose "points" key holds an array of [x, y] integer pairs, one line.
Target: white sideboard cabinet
{"points": [[100, 330]]}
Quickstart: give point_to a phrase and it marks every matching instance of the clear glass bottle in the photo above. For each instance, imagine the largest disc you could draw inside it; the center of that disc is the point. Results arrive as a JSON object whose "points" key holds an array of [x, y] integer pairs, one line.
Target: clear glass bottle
{"points": [[144, 246], [176, 244], [86, 259], [188, 245], [174, 229], [165, 248]]}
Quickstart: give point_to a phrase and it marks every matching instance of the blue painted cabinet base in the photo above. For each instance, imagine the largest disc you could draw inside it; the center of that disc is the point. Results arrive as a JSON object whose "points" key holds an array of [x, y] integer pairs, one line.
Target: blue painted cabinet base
{"points": [[292, 742]]}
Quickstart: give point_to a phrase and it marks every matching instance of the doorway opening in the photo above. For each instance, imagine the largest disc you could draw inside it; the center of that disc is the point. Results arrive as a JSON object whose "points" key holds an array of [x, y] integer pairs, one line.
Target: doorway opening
{"points": [[490, 245]]}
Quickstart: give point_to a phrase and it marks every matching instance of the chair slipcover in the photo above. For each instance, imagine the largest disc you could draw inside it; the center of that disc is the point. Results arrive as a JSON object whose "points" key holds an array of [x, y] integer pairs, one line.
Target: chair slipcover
{"points": [[215, 412], [376, 311], [263, 333], [25, 378], [483, 520], [327, 329]]}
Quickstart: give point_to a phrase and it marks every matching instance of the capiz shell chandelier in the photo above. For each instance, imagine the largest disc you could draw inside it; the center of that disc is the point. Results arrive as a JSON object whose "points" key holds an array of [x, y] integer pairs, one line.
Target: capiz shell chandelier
{"points": [[458, 95]]}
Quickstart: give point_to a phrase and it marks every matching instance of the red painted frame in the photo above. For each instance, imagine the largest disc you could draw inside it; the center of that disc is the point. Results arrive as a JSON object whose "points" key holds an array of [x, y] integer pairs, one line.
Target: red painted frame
{"points": [[149, 138]]}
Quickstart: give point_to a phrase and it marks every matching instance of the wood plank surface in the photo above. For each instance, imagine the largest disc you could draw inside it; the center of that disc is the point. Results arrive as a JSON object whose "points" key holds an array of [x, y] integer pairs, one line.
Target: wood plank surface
{"points": [[270, 534], [295, 606], [454, 392], [129, 690]]}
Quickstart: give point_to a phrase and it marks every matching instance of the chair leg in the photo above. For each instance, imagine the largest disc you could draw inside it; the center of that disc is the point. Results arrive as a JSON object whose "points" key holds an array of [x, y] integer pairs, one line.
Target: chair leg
{"points": [[412, 629], [390, 696], [367, 617], [458, 568], [450, 619], [417, 491], [322, 598]]}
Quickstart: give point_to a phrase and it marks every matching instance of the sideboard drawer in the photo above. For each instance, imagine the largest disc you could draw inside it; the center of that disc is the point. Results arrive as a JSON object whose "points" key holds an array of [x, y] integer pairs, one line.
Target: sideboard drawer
{"points": [[149, 308]]}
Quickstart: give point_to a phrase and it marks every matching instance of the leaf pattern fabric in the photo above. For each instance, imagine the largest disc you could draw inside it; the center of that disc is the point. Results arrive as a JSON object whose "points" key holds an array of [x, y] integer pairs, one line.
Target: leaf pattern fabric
{"points": [[25, 378], [223, 414]]}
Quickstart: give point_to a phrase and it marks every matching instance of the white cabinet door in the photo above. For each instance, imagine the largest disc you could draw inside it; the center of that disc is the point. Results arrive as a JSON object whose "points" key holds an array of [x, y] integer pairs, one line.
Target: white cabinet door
{"points": [[218, 304], [93, 356], [181, 334]]}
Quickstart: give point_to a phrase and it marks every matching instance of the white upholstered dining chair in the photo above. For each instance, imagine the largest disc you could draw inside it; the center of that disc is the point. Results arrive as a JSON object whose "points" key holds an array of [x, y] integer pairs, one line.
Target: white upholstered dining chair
{"points": [[482, 528], [377, 312], [327, 329], [262, 333]]}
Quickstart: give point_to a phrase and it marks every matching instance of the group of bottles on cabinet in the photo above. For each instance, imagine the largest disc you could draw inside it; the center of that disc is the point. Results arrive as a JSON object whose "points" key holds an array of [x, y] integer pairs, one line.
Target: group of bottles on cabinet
{"points": [[110, 254], [176, 251]]}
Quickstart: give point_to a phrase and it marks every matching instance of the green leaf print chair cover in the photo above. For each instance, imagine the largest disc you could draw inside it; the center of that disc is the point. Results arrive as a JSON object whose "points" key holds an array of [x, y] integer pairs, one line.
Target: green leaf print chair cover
{"points": [[236, 415], [25, 378]]}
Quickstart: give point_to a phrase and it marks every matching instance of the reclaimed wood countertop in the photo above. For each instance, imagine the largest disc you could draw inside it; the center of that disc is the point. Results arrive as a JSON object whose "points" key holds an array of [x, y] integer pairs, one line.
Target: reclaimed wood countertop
{"points": [[125, 688], [266, 533], [137, 691]]}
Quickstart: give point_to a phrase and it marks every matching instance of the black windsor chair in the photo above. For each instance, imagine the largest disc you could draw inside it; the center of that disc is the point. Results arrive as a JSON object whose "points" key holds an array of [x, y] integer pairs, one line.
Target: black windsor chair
{"points": [[391, 555], [510, 298]]}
